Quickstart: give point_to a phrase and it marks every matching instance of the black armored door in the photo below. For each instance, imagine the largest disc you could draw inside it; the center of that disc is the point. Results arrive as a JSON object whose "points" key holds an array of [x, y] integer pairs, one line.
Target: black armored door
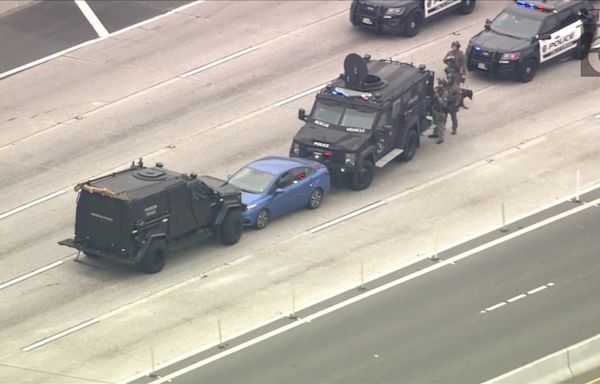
{"points": [[181, 219]]}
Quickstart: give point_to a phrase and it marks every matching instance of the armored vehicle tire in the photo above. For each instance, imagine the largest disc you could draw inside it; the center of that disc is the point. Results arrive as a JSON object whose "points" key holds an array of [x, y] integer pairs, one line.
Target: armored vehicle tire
{"points": [[363, 176], [316, 198], [466, 7], [527, 70], [155, 258], [231, 228], [413, 24], [412, 141], [262, 219]]}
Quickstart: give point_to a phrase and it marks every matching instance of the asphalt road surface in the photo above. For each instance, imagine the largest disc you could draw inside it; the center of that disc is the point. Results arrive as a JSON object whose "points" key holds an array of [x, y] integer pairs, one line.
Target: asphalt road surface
{"points": [[38, 29], [208, 90], [436, 328]]}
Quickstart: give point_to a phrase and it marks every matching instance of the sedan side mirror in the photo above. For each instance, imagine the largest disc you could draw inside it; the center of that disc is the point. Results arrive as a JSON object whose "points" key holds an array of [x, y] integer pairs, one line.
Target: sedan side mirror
{"points": [[302, 114]]}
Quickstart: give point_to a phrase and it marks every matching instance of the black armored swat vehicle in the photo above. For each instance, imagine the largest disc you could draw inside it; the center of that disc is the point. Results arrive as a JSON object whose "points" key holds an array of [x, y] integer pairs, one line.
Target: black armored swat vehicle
{"points": [[373, 113], [138, 215], [402, 16]]}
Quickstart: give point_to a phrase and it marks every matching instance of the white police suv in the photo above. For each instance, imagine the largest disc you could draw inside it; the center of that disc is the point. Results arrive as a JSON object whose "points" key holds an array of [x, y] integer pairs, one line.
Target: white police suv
{"points": [[530, 32]]}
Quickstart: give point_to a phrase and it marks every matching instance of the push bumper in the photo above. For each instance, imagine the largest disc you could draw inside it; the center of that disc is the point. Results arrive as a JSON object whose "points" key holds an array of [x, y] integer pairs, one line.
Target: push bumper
{"points": [[490, 63], [385, 24]]}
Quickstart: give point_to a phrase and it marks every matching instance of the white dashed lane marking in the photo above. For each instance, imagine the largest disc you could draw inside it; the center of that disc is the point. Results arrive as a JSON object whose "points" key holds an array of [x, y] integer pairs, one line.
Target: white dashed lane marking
{"points": [[518, 297], [31, 204], [30, 274], [220, 61]]}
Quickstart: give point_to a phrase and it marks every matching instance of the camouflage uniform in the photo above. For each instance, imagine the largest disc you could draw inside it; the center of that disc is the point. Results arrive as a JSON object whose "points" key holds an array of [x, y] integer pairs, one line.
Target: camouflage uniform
{"points": [[439, 113], [454, 99], [456, 62]]}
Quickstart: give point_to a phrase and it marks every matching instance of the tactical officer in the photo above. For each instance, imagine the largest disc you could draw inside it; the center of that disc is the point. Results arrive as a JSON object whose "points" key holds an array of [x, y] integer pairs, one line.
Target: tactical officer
{"points": [[454, 95], [439, 111], [455, 62]]}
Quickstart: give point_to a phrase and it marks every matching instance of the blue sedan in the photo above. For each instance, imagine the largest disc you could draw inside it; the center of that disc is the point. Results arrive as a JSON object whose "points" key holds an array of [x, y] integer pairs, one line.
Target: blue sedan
{"points": [[275, 185]]}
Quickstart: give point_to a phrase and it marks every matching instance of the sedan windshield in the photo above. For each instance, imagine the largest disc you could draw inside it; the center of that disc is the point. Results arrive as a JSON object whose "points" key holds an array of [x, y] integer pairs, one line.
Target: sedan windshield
{"points": [[252, 180], [516, 25], [343, 116]]}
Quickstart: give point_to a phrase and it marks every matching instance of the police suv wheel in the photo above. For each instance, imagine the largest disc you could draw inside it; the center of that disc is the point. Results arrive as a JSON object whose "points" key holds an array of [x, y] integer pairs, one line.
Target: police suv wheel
{"points": [[316, 198], [527, 70], [466, 6], [231, 228], [413, 23], [262, 219], [155, 258], [412, 142], [363, 176]]}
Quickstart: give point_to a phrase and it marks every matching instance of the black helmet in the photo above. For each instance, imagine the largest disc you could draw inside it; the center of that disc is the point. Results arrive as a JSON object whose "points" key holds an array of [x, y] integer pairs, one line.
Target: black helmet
{"points": [[455, 43]]}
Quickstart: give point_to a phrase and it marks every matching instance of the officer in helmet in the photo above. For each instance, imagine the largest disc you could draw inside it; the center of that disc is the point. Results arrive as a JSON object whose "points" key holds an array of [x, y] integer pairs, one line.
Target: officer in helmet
{"points": [[455, 62]]}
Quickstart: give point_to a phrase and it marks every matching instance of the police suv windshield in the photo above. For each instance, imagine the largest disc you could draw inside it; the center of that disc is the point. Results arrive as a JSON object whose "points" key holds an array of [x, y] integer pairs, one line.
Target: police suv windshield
{"points": [[343, 116], [516, 25], [252, 180]]}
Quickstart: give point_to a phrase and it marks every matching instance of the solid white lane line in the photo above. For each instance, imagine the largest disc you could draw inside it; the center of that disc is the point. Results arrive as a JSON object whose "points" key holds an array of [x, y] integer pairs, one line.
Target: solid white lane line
{"points": [[502, 304], [91, 17], [90, 42], [220, 61], [59, 335], [30, 274], [302, 94], [519, 297], [538, 289], [31, 204], [382, 288], [347, 217]]}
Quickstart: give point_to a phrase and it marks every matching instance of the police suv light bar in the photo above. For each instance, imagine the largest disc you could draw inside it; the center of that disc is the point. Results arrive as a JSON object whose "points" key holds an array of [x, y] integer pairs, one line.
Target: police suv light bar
{"points": [[538, 7]]}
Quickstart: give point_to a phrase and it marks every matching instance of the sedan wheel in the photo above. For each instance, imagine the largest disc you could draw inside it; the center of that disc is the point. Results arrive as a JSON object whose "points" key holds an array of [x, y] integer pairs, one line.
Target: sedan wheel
{"points": [[262, 219], [316, 197]]}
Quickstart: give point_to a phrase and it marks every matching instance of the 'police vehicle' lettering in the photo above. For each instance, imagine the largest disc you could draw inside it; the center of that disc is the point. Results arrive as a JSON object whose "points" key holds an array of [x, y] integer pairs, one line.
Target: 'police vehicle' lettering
{"points": [[322, 124], [102, 217], [319, 144], [151, 210], [357, 130], [435, 6]]}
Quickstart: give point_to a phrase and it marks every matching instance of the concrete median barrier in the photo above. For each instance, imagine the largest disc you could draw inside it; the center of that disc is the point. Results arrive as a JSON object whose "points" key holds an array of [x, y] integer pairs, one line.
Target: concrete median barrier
{"points": [[557, 367]]}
